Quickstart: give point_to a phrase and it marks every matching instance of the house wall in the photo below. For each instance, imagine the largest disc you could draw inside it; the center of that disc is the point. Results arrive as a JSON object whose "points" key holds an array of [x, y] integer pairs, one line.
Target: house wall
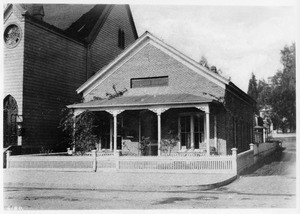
{"points": [[54, 67], [240, 117], [105, 47], [151, 62], [13, 59]]}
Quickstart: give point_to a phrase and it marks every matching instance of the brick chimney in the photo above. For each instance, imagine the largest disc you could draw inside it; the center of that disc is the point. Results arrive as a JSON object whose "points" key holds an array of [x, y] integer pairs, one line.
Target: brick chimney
{"points": [[214, 69], [37, 11]]}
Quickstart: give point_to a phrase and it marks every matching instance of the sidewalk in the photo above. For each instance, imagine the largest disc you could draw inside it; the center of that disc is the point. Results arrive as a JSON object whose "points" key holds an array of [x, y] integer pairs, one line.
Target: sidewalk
{"points": [[114, 180]]}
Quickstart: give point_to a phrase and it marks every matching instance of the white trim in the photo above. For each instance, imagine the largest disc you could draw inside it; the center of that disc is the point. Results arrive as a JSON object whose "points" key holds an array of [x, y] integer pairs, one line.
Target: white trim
{"points": [[123, 56], [144, 40], [107, 72]]}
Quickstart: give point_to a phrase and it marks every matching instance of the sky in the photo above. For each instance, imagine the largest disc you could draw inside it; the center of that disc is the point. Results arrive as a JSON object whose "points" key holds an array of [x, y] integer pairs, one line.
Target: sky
{"points": [[238, 37], [238, 40]]}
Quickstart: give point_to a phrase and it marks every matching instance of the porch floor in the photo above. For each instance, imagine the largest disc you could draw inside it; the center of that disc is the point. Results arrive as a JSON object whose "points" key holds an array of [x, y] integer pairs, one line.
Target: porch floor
{"points": [[114, 180]]}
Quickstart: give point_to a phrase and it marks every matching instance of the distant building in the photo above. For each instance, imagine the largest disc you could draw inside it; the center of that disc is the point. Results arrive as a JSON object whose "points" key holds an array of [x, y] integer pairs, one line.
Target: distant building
{"points": [[50, 50]]}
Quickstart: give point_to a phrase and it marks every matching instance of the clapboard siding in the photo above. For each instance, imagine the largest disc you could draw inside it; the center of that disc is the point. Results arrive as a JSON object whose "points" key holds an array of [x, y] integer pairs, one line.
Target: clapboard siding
{"points": [[47, 67], [13, 66], [54, 67], [105, 47]]}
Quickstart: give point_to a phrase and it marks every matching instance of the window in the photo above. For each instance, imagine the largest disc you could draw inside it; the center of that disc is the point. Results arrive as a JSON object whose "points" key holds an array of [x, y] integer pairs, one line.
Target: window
{"points": [[149, 82], [191, 130], [198, 130], [185, 131], [121, 39]]}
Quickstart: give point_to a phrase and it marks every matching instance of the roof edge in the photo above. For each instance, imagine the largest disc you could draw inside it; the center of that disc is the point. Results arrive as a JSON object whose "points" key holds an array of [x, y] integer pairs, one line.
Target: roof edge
{"points": [[139, 41], [100, 22], [111, 64], [131, 21]]}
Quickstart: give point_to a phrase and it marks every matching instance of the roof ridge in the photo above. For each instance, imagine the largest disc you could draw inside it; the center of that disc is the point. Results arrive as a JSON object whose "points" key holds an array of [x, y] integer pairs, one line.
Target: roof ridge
{"points": [[85, 24]]}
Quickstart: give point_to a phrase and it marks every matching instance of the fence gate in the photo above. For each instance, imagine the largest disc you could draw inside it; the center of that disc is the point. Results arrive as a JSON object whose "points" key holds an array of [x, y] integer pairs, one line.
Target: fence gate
{"points": [[10, 113]]}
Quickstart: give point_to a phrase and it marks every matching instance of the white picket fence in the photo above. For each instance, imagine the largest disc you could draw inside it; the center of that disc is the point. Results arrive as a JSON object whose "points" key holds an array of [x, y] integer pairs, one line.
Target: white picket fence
{"points": [[61, 163], [234, 163], [203, 164]]}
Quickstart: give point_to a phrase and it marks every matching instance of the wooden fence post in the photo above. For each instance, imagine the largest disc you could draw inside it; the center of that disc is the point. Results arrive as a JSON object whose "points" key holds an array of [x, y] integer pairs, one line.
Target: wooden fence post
{"points": [[234, 160], [8, 154], [117, 160], [94, 153]]}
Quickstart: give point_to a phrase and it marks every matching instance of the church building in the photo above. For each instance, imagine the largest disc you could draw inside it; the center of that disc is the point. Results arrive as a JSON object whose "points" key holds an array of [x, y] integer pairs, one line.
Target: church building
{"points": [[49, 51]]}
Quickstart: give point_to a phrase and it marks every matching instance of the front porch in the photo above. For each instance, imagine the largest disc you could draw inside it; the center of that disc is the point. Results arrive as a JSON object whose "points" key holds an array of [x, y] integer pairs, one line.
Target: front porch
{"points": [[125, 123]]}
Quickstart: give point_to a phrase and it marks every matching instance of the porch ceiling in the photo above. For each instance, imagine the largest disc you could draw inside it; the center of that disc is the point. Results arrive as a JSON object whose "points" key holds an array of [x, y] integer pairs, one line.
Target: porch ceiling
{"points": [[136, 102]]}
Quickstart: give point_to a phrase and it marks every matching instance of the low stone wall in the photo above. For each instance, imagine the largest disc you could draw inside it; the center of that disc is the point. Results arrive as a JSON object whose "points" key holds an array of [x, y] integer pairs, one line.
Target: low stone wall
{"points": [[256, 153]]}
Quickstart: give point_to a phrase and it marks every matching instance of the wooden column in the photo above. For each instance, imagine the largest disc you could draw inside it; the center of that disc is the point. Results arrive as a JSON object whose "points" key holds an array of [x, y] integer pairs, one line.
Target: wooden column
{"points": [[207, 132], [158, 131], [205, 108], [158, 111], [115, 133], [215, 132], [115, 113]]}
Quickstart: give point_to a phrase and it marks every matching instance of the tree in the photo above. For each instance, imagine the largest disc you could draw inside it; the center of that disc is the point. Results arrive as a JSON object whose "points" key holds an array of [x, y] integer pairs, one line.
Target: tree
{"points": [[204, 62], [264, 93], [280, 95], [283, 97], [252, 87], [83, 136]]}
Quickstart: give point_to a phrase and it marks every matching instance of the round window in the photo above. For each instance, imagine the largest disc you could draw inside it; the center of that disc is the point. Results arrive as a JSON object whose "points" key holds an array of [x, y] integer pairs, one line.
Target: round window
{"points": [[12, 35]]}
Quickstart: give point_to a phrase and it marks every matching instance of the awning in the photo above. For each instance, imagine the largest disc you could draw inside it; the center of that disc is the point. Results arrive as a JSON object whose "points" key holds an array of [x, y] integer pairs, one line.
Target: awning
{"points": [[130, 102]]}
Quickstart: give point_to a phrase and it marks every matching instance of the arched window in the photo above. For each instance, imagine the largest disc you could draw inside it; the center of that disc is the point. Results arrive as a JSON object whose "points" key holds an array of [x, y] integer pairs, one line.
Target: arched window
{"points": [[10, 113]]}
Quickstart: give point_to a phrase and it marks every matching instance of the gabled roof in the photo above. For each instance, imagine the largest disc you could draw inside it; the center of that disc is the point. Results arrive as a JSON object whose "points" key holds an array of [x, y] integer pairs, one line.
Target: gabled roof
{"points": [[148, 38], [59, 15], [142, 101], [79, 21], [89, 24], [83, 26]]}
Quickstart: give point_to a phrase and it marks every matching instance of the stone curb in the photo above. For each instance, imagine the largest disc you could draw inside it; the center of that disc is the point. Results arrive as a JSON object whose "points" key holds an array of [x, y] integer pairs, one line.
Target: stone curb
{"points": [[173, 188]]}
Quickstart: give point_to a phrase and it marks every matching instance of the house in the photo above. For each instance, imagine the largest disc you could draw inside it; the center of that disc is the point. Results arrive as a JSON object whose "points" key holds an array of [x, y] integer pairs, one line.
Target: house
{"points": [[165, 92], [49, 51]]}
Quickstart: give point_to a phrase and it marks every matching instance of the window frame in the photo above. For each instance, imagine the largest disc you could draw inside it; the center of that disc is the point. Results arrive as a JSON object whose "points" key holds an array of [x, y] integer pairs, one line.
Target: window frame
{"points": [[151, 81]]}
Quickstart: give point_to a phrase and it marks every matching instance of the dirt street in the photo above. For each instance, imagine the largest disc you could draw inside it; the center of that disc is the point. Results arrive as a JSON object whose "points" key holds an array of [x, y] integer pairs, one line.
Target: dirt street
{"points": [[273, 185]]}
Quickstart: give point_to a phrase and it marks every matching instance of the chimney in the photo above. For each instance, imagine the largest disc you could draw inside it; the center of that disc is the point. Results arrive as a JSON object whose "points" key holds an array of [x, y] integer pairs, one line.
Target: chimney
{"points": [[214, 69], [37, 11]]}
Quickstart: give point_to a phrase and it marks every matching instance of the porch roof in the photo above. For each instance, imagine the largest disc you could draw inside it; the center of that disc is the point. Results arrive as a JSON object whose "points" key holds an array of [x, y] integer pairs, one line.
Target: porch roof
{"points": [[129, 102]]}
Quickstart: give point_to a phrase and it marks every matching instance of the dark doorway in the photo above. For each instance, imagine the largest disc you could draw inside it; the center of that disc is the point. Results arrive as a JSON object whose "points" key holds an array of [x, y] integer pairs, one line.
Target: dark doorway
{"points": [[10, 113], [149, 125]]}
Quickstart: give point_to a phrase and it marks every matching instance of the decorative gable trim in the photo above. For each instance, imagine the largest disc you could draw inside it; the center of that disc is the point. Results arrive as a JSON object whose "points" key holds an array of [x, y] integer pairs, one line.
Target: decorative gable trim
{"points": [[144, 40], [9, 10]]}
